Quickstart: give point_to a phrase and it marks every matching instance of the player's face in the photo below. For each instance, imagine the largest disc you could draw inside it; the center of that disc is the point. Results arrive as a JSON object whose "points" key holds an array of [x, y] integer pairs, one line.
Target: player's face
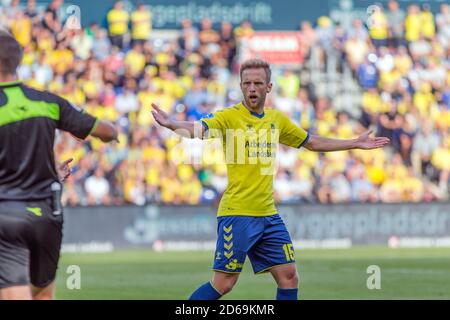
{"points": [[255, 87]]}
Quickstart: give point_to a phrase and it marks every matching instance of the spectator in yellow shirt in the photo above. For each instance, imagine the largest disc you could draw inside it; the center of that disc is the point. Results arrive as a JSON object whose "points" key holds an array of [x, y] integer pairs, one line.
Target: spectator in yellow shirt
{"points": [[413, 187], [441, 161], [423, 99], [402, 61], [442, 119], [21, 29], [427, 22], [379, 27], [392, 191], [62, 58], [141, 24], [289, 83], [118, 20], [413, 24], [440, 158], [245, 30], [135, 60]]}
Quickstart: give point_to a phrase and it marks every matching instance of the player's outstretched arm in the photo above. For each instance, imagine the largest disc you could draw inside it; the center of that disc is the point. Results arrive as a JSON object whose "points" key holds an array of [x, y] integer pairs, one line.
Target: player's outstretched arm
{"points": [[365, 142], [188, 129], [105, 131]]}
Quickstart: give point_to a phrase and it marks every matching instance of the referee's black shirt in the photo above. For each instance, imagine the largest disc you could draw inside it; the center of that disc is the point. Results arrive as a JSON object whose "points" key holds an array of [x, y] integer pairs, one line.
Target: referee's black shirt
{"points": [[28, 119]]}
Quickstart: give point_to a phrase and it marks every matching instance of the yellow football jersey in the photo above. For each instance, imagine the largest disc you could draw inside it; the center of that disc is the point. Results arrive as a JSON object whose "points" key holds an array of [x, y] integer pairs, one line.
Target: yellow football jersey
{"points": [[118, 22], [250, 143], [141, 25]]}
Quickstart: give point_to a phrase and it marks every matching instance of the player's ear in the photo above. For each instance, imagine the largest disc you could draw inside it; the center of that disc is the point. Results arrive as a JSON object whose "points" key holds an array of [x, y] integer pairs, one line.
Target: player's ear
{"points": [[269, 87]]}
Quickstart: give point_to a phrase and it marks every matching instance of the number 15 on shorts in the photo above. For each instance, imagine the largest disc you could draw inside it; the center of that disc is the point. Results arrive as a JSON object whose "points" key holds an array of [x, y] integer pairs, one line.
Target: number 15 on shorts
{"points": [[289, 251]]}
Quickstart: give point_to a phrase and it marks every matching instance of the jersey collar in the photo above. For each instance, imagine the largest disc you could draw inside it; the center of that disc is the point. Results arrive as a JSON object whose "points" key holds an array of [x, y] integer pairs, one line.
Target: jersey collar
{"points": [[256, 114], [10, 84]]}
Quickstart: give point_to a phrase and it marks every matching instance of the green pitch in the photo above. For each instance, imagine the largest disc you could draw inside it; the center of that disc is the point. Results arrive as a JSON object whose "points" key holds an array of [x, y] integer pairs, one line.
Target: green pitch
{"points": [[324, 274]]}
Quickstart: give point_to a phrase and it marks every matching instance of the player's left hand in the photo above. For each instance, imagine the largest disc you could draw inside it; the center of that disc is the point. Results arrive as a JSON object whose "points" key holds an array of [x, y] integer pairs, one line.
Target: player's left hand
{"points": [[64, 170], [365, 142]]}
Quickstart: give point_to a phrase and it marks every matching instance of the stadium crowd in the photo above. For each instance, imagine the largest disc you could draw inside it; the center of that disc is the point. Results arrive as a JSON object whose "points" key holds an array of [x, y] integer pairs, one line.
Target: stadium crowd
{"points": [[400, 60]]}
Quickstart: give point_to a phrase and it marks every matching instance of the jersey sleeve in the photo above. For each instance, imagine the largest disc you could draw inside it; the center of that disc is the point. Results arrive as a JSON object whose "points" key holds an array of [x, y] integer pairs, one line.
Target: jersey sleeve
{"points": [[214, 124], [74, 120], [291, 134]]}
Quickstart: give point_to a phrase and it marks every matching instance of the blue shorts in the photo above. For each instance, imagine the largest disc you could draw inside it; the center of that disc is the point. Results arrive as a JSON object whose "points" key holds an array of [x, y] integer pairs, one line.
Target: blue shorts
{"points": [[265, 240]]}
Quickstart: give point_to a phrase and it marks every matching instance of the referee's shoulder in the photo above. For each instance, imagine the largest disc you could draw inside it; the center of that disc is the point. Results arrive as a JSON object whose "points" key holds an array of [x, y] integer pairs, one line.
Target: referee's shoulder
{"points": [[34, 94]]}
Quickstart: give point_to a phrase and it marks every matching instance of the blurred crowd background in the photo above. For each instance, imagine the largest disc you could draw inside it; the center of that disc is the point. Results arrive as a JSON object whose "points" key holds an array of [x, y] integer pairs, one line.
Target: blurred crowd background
{"points": [[395, 68]]}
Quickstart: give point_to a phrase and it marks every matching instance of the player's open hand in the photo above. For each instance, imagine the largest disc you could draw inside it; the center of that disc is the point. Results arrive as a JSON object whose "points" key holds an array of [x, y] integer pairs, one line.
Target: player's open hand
{"points": [[160, 116], [366, 142], [64, 170]]}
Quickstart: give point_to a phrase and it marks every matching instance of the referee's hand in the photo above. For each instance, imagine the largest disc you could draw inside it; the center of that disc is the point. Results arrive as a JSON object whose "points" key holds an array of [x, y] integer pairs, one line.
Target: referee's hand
{"points": [[64, 170]]}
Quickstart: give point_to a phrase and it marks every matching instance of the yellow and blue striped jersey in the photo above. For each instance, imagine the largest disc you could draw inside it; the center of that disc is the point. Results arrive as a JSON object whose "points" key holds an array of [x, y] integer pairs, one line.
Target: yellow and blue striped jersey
{"points": [[250, 143]]}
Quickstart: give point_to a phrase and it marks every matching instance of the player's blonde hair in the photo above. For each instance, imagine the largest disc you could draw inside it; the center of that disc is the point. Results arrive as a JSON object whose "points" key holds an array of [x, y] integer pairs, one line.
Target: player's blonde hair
{"points": [[256, 64]]}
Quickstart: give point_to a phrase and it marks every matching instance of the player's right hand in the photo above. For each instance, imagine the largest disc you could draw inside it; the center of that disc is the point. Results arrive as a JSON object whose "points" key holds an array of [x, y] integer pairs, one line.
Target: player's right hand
{"points": [[160, 116], [366, 142]]}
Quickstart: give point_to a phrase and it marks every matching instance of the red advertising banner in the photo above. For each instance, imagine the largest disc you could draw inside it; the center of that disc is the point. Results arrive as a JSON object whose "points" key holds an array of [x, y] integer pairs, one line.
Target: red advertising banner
{"points": [[275, 47]]}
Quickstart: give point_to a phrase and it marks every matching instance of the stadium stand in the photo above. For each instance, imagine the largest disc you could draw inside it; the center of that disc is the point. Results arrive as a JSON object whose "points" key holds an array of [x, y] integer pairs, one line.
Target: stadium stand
{"points": [[391, 76]]}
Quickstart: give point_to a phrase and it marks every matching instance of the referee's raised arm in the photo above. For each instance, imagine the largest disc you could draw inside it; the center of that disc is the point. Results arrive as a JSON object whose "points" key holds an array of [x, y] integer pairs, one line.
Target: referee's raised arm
{"points": [[81, 124]]}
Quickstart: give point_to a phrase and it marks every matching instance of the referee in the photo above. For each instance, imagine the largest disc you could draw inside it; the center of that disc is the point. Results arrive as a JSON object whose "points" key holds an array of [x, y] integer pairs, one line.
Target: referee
{"points": [[30, 209]]}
